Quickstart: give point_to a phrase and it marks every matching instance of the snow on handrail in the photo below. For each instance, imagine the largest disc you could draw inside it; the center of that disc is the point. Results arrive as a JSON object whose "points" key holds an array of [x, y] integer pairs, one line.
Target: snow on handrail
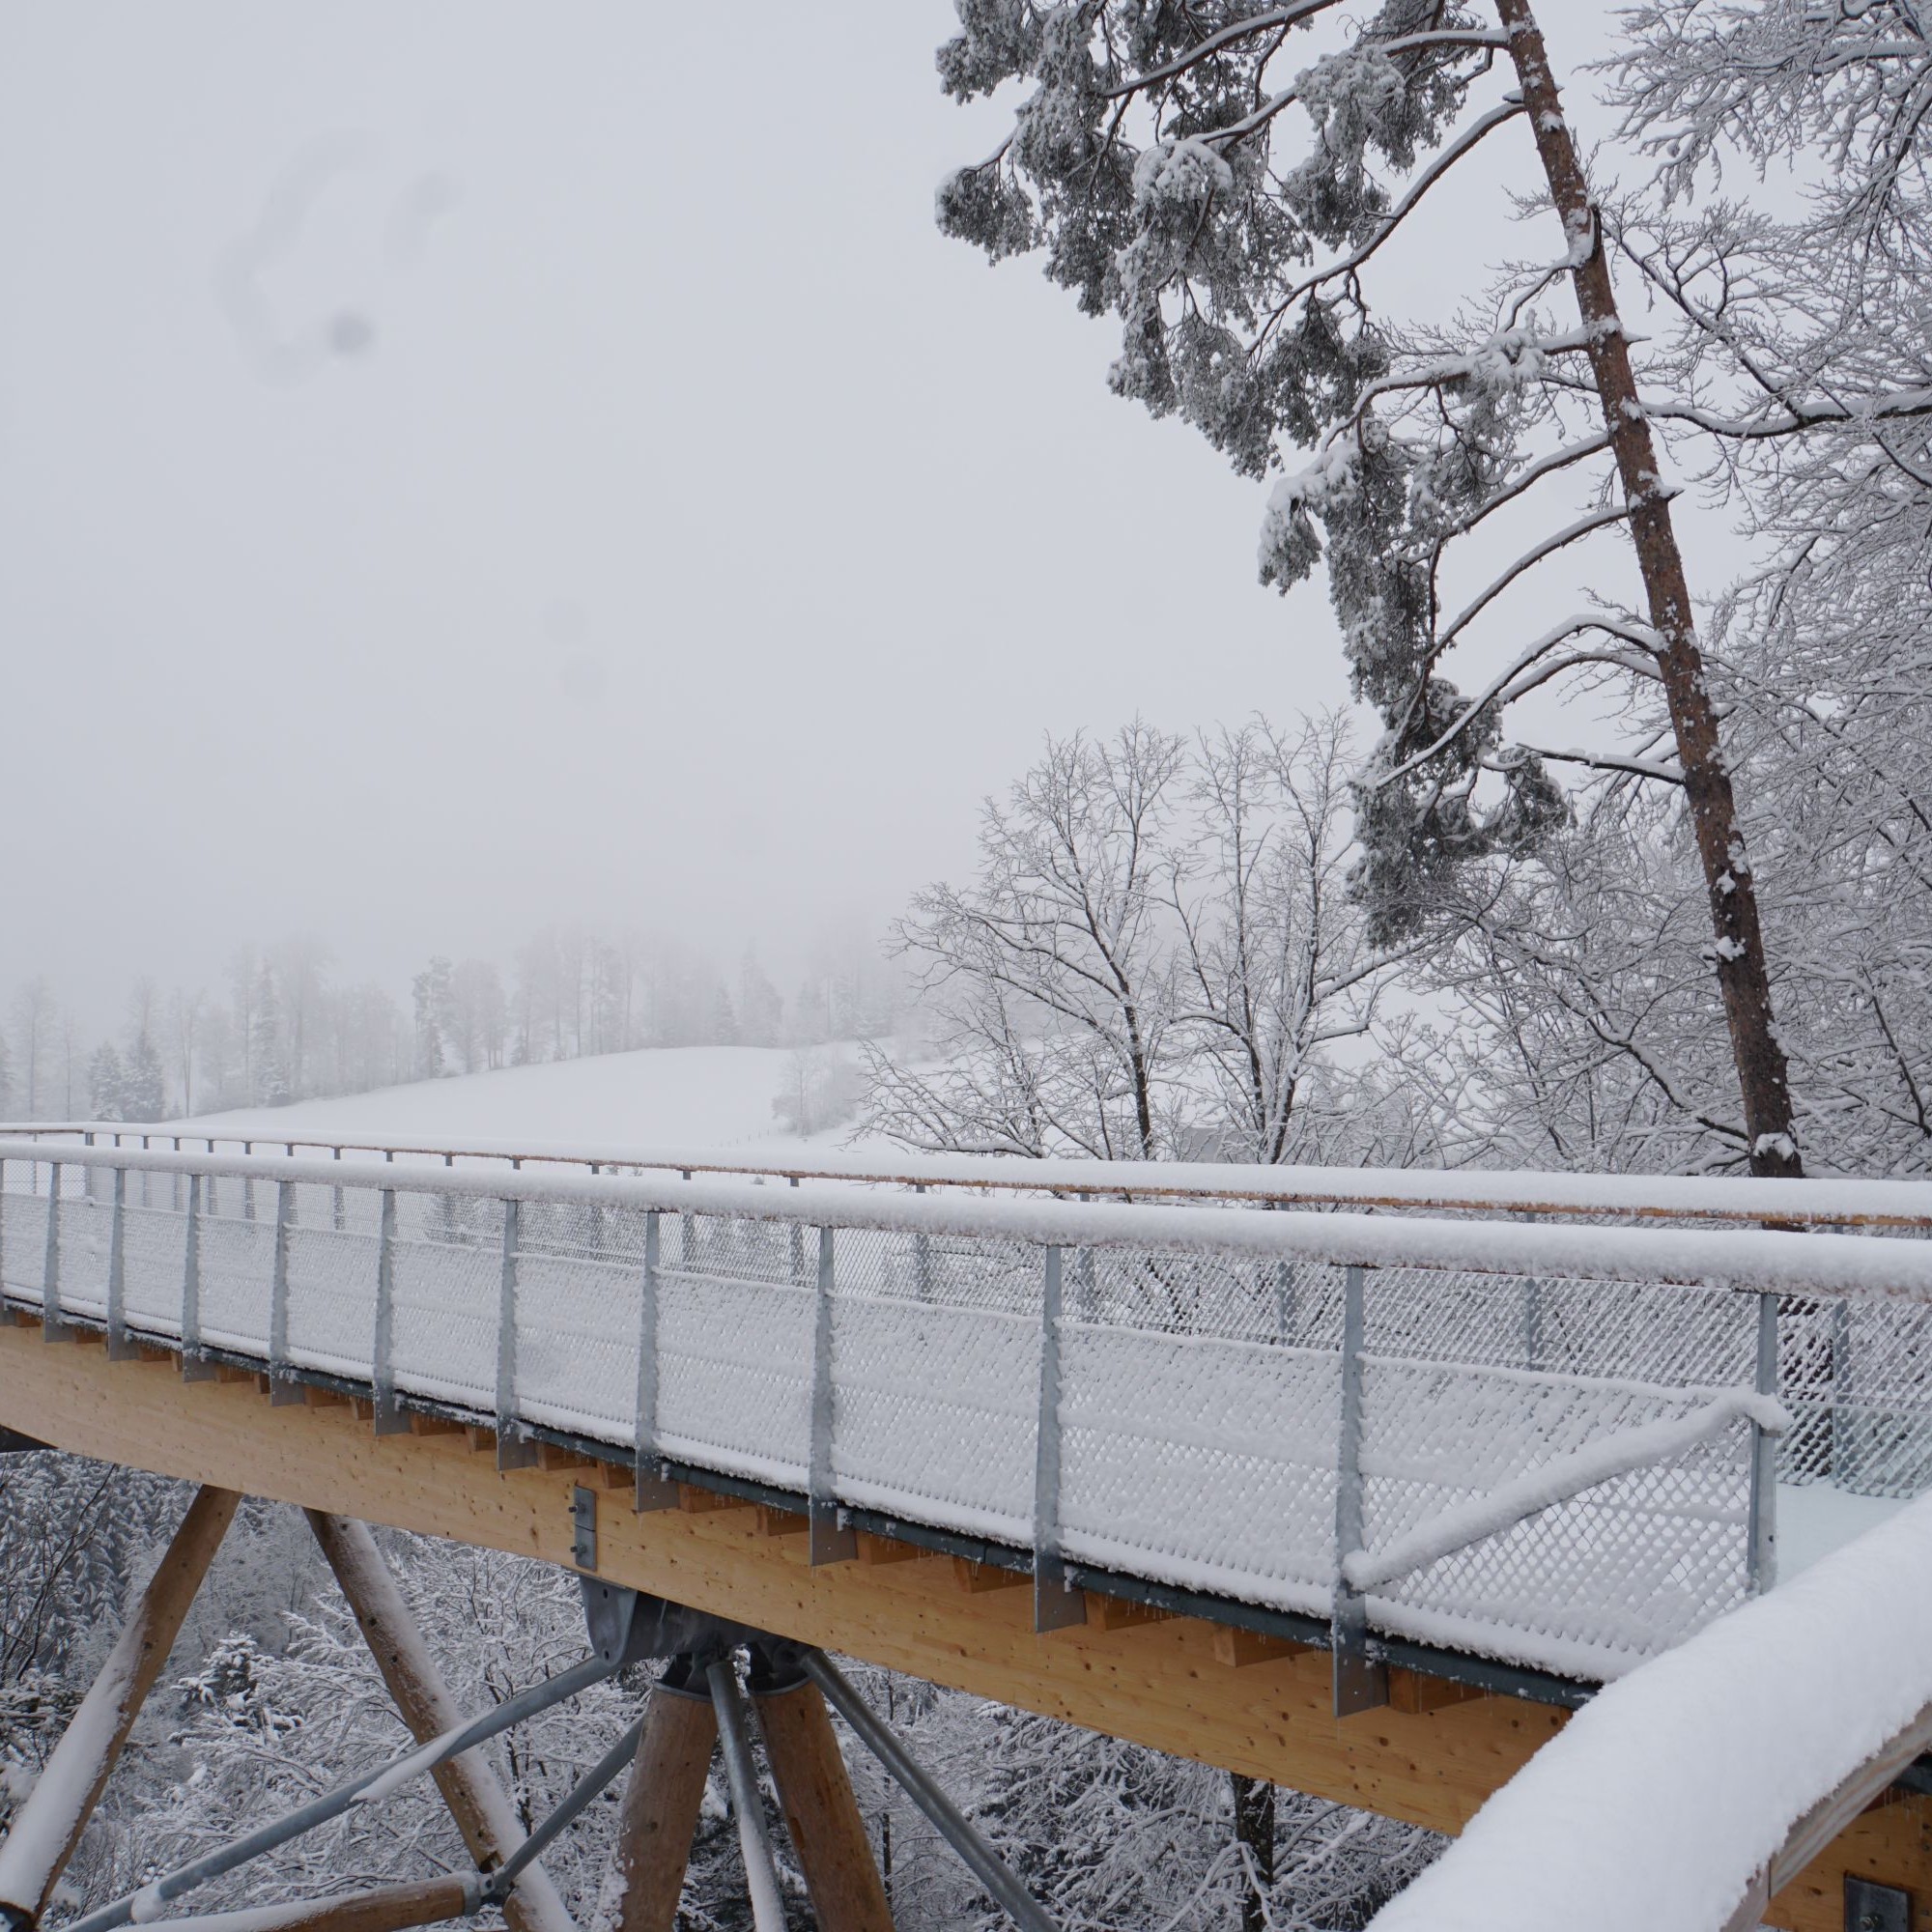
{"points": [[1765, 1260], [1682, 1795], [1815, 1202]]}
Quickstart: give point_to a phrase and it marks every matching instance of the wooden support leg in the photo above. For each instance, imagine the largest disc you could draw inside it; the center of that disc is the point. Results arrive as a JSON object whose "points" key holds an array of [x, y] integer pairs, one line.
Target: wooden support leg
{"points": [[49, 1826], [660, 1810], [477, 1801], [821, 1812], [385, 1908]]}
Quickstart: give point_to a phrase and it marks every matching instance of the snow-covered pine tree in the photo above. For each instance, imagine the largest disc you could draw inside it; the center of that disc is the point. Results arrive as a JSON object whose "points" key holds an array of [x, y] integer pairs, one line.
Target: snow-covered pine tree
{"points": [[430, 990], [266, 1046], [144, 1091], [1153, 161], [107, 1085]]}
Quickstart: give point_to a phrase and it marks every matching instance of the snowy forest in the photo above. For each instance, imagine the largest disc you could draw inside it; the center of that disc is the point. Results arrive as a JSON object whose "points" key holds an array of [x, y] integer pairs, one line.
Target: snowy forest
{"points": [[1615, 857]]}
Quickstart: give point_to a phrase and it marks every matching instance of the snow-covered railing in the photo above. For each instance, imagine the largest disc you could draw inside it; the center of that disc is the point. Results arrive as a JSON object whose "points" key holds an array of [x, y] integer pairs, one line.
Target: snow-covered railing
{"points": [[1820, 1202], [1568, 1432], [1686, 1797]]}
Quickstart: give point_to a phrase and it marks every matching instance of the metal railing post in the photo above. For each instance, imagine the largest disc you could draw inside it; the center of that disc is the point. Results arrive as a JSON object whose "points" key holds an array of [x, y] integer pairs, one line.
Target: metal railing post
{"points": [[797, 1246], [336, 1214], [52, 1328], [248, 1185], [283, 1392], [1056, 1602], [1532, 1322], [1360, 1681], [922, 1257], [389, 1417], [118, 1348], [653, 1490], [514, 1451], [195, 1367], [1761, 1550], [830, 1544]]}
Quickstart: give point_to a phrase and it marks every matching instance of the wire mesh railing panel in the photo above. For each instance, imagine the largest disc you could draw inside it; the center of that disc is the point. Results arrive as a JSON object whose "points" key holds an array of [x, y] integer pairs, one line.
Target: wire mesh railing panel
{"points": [[444, 1320], [934, 1411], [1235, 1297], [23, 1227], [731, 1248], [86, 1228], [577, 1343], [1637, 1332], [1597, 1581], [1202, 1462], [153, 1262], [734, 1356], [332, 1299], [1631, 1564], [237, 1267]]}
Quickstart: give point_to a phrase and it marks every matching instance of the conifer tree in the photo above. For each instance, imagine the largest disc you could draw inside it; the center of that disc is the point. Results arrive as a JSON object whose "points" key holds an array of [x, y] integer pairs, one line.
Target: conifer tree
{"points": [[1153, 162], [107, 1085]]}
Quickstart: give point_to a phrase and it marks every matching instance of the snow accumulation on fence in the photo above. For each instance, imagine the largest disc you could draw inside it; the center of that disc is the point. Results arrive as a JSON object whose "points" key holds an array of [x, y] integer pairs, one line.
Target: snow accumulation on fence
{"points": [[1813, 1202], [1660, 1801], [1745, 1259]]}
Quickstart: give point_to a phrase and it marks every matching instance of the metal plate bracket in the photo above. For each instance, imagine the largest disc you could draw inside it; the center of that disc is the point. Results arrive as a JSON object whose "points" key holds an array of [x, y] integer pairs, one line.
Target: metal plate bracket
{"points": [[1871, 1907]]}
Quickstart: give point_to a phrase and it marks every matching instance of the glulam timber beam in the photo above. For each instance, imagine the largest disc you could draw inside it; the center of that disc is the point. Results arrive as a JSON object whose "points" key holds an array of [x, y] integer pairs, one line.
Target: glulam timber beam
{"points": [[476, 1799], [385, 1908], [660, 1809], [821, 1812], [48, 1827]]}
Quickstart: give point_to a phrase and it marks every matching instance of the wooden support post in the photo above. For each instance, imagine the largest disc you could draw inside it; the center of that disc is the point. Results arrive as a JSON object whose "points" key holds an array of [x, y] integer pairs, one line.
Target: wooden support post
{"points": [[479, 1804], [49, 1826], [660, 1810], [385, 1908], [821, 1812]]}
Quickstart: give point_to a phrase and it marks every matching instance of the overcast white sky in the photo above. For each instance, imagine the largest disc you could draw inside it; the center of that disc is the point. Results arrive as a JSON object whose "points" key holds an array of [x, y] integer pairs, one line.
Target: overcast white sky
{"points": [[467, 464]]}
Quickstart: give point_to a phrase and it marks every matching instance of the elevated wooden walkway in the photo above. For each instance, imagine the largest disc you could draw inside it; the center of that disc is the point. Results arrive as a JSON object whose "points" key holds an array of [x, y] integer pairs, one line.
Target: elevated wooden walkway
{"points": [[1185, 1685]]}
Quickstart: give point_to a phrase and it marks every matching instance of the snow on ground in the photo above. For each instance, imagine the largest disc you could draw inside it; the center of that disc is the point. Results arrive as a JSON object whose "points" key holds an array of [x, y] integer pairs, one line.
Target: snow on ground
{"points": [[661, 1097]]}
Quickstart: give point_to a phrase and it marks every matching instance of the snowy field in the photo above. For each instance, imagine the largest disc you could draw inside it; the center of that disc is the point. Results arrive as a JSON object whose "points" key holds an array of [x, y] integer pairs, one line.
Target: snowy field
{"points": [[708, 1097]]}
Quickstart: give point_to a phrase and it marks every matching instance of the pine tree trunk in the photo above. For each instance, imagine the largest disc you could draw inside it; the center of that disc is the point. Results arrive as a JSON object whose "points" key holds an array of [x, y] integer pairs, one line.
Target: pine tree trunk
{"points": [[1742, 975]]}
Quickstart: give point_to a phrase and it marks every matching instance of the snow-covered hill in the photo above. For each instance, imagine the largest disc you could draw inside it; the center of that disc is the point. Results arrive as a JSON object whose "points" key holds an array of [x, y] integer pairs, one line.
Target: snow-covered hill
{"points": [[710, 1097]]}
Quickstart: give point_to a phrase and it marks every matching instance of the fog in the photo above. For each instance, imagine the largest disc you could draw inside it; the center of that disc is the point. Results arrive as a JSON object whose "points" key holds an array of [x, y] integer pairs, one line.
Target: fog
{"points": [[468, 466]]}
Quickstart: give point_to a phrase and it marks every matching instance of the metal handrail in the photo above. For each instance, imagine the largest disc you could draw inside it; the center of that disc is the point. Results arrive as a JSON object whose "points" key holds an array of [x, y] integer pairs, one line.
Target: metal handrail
{"points": [[1750, 1260], [1811, 1203]]}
